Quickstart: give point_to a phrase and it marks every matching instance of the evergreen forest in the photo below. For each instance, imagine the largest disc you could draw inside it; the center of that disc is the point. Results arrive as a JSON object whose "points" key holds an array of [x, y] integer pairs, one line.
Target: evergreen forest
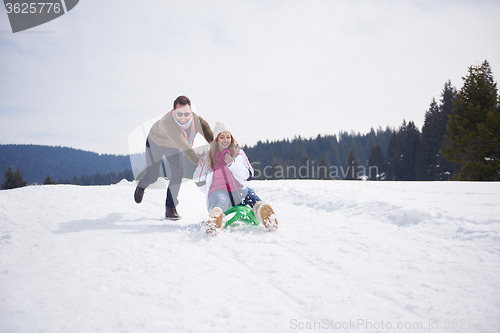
{"points": [[459, 140]]}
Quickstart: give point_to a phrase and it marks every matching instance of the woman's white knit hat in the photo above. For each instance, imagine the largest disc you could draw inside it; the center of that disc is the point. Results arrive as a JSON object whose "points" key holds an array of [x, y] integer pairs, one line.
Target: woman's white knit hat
{"points": [[219, 128]]}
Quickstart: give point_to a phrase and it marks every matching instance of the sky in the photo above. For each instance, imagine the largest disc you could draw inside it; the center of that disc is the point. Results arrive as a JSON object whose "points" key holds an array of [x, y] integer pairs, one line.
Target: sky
{"points": [[270, 70]]}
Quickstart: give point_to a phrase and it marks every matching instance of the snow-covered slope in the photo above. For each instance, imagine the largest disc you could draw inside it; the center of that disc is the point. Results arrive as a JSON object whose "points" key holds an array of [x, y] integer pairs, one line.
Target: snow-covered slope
{"points": [[351, 256]]}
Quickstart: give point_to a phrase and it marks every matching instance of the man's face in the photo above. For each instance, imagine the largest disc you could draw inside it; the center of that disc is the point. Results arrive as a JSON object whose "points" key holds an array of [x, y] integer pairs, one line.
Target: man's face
{"points": [[182, 113]]}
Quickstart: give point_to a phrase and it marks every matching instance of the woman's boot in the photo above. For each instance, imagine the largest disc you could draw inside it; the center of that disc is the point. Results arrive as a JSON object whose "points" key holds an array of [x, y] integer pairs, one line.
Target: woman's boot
{"points": [[265, 214], [215, 221]]}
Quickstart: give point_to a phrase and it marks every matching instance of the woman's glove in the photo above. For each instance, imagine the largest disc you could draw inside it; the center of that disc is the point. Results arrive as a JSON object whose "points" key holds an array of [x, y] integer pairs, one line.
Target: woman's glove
{"points": [[227, 157]]}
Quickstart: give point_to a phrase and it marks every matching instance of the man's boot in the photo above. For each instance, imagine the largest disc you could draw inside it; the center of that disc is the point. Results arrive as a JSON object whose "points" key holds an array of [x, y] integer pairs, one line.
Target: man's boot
{"points": [[171, 214], [139, 193]]}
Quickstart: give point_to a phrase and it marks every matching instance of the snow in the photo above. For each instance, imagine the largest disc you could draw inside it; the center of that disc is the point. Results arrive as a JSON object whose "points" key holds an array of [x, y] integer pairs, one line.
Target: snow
{"points": [[348, 256]]}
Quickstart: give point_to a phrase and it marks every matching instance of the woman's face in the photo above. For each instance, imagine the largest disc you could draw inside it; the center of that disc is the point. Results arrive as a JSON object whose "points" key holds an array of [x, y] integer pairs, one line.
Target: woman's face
{"points": [[224, 140], [182, 113]]}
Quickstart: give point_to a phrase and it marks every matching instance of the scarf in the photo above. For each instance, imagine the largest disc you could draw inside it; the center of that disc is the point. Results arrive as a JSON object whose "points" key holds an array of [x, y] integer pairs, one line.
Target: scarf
{"points": [[220, 162], [189, 124], [224, 178]]}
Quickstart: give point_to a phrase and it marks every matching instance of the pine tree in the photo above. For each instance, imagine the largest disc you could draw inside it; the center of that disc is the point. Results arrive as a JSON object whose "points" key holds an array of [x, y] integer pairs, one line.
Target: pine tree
{"points": [[474, 127], [351, 168], [13, 179], [304, 170], [49, 181], [277, 171], [376, 163], [411, 143], [432, 136], [445, 168], [402, 153], [393, 155], [257, 172], [430, 162], [324, 168]]}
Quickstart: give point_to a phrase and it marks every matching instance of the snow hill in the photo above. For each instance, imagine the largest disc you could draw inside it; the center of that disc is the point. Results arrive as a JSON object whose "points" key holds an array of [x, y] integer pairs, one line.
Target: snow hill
{"points": [[348, 256]]}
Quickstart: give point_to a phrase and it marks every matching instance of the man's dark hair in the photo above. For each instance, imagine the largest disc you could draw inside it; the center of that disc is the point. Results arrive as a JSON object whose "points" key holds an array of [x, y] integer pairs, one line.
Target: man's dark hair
{"points": [[182, 100]]}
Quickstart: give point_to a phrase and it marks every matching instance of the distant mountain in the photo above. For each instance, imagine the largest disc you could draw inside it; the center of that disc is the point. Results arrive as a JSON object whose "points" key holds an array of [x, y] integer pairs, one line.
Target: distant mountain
{"points": [[36, 162]]}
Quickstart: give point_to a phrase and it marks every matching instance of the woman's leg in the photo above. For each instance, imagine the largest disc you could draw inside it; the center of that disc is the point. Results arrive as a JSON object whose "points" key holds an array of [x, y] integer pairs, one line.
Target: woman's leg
{"points": [[251, 198], [219, 198]]}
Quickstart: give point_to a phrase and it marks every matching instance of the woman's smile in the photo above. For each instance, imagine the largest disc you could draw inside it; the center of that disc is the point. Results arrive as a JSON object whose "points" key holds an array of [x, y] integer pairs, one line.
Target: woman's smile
{"points": [[224, 140]]}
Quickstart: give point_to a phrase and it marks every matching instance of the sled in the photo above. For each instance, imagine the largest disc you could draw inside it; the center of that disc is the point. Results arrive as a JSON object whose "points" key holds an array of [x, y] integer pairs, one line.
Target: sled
{"points": [[241, 213]]}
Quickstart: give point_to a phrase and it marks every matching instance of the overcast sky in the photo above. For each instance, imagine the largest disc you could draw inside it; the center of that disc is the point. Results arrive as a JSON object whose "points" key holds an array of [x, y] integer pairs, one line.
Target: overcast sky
{"points": [[269, 69]]}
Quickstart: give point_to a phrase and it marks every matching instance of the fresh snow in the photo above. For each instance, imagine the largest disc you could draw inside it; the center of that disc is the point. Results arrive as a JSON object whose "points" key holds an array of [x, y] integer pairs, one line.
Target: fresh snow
{"points": [[348, 256]]}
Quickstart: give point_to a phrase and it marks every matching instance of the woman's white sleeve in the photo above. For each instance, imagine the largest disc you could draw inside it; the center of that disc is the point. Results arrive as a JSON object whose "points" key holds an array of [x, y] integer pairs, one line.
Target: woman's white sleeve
{"points": [[241, 166]]}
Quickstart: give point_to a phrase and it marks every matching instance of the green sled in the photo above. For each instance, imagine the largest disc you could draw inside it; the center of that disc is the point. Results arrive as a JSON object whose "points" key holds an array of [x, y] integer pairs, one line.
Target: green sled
{"points": [[242, 213]]}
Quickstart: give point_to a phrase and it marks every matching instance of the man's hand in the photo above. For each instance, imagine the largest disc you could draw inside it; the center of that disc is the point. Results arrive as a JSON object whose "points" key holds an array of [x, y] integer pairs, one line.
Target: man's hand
{"points": [[200, 161]]}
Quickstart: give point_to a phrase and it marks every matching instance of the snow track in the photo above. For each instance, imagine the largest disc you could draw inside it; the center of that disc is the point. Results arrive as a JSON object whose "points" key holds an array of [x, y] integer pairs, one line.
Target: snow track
{"points": [[85, 259]]}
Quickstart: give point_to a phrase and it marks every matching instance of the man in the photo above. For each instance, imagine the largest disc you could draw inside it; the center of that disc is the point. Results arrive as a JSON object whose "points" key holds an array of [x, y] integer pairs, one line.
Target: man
{"points": [[172, 136]]}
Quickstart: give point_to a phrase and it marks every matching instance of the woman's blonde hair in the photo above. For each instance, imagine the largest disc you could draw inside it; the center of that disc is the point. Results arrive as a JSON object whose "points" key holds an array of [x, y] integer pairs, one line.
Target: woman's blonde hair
{"points": [[233, 148]]}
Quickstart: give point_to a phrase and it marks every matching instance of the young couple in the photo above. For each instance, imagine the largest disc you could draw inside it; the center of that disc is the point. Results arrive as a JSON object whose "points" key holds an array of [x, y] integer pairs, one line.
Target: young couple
{"points": [[222, 174]]}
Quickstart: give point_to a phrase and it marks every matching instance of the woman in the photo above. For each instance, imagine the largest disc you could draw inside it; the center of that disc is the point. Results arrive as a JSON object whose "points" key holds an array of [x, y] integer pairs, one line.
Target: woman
{"points": [[222, 176]]}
